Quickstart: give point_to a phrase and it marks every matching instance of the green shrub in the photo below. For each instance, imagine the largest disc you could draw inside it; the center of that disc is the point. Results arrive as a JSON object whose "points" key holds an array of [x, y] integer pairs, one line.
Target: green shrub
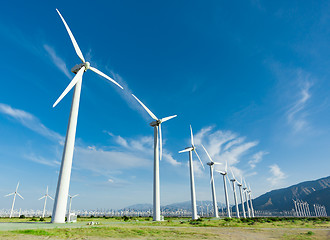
{"points": [[41, 219], [22, 216]]}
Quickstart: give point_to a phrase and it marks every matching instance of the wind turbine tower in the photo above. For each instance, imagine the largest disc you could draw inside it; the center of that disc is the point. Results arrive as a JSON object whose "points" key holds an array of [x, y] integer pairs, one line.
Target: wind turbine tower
{"points": [[241, 195], [211, 163], [192, 181], [71, 202], [233, 180], [250, 198], [224, 173], [62, 190], [158, 151], [246, 200], [45, 196], [12, 205]]}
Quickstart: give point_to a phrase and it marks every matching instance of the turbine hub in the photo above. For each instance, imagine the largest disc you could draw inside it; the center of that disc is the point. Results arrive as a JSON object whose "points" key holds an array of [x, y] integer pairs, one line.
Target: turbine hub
{"points": [[210, 163], [87, 65], [155, 123]]}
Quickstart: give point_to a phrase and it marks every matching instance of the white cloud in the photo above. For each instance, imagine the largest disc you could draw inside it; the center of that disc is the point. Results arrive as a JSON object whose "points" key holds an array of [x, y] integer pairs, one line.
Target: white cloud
{"points": [[277, 175], [256, 158], [224, 146], [57, 61], [30, 121], [296, 115], [43, 161]]}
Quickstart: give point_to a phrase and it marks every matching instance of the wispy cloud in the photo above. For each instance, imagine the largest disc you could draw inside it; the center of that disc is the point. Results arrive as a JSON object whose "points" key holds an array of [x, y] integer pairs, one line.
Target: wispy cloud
{"points": [[277, 175], [224, 146], [256, 158], [30, 121], [296, 115], [57, 61], [42, 160]]}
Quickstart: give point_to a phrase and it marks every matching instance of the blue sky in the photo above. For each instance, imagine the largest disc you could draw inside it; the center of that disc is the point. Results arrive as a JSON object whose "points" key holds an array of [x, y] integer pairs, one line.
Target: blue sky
{"points": [[251, 77]]}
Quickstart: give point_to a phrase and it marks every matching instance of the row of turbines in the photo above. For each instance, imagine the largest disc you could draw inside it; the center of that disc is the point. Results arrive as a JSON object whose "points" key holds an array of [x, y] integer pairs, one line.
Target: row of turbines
{"points": [[45, 196], [302, 209], [62, 190]]}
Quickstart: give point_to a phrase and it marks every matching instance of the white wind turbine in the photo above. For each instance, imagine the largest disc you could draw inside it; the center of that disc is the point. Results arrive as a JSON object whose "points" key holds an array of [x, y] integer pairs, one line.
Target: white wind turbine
{"points": [[62, 190], [233, 180], [45, 196], [250, 197], [240, 185], [14, 193], [71, 202], [192, 181], [224, 173], [211, 163], [158, 152], [247, 199]]}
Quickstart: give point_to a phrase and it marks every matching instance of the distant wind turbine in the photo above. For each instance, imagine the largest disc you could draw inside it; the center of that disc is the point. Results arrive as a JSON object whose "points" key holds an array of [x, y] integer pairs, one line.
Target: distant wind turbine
{"points": [[45, 196], [62, 190], [192, 181], [250, 198], [14, 193], [247, 199], [71, 202], [240, 185], [211, 163], [224, 173], [233, 180], [158, 152]]}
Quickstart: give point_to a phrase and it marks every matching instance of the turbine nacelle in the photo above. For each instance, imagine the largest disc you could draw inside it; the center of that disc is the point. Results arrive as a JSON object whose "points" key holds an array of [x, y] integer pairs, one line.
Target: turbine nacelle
{"points": [[156, 123], [77, 67], [210, 163]]}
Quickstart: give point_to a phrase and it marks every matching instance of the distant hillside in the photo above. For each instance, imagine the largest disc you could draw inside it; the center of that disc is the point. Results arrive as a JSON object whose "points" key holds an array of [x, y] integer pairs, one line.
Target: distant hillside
{"points": [[281, 199]]}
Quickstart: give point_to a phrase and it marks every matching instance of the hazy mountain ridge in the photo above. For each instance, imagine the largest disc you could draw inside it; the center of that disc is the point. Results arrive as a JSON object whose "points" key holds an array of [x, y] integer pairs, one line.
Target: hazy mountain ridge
{"points": [[316, 191]]}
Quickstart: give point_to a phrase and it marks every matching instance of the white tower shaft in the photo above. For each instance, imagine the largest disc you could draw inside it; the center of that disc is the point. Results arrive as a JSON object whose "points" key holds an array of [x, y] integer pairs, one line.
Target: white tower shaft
{"points": [[156, 199], [43, 212], [226, 195], [215, 205], [235, 199], [242, 201], [12, 206], [192, 186], [252, 211], [247, 204], [62, 190]]}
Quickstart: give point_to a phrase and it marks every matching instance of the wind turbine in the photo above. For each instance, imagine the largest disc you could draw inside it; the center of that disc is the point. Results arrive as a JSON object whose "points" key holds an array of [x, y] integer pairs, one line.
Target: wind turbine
{"points": [[62, 190], [70, 203], [233, 180], [158, 148], [14, 193], [45, 196], [192, 181], [211, 163], [241, 195], [250, 198], [224, 173], [246, 199]]}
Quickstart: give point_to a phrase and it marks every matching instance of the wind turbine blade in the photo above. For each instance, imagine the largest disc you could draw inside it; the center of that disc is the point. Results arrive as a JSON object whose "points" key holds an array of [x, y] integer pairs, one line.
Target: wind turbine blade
{"points": [[221, 172], [145, 108], [160, 142], [186, 150], [20, 195], [192, 137], [232, 173], [199, 158], [9, 194], [226, 167], [105, 76], [41, 197], [50, 197], [47, 190], [218, 163], [70, 86], [73, 40], [228, 178], [168, 118], [17, 187], [75, 195], [207, 154]]}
